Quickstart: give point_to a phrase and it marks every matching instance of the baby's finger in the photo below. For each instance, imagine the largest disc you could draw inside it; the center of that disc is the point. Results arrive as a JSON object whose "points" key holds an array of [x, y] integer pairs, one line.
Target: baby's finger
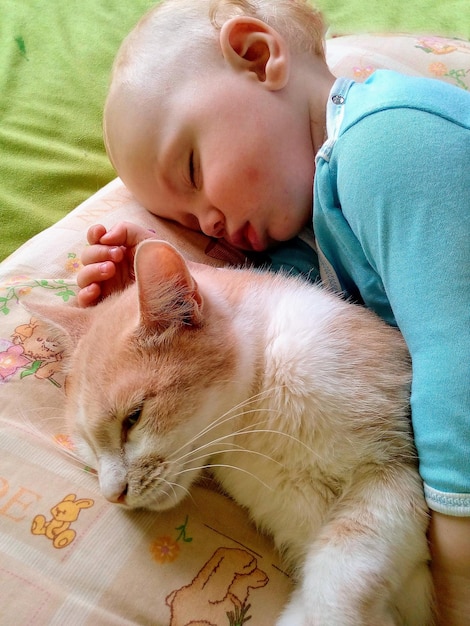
{"points": [[125, 234], [100, 253], [95, 233], [95, 273], [89, 295]]}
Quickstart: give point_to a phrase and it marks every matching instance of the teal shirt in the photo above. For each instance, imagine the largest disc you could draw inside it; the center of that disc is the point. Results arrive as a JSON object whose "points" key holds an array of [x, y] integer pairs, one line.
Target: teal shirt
{"points": [[392, 226]]}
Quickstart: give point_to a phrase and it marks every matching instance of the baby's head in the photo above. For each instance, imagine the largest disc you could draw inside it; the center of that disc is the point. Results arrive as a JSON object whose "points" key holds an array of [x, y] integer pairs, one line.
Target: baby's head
{"points": [[209, 120]]}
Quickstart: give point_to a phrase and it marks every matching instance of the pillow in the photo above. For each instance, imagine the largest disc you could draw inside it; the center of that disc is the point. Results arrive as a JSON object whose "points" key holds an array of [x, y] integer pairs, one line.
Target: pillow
{"points": [[357, 56], [66, 554]]}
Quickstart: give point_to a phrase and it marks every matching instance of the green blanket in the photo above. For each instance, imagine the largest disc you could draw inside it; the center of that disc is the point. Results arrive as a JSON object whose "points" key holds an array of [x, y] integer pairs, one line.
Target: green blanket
{"points": [[450, 18], [55, 59]]}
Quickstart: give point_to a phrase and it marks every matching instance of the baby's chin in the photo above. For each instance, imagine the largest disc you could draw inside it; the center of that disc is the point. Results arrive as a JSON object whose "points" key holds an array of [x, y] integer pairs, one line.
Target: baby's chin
{"points": [[276, 238]]}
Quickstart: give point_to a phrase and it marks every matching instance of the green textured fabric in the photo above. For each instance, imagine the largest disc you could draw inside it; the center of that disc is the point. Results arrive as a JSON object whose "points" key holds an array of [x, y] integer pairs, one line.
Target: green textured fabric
{"points": [[450, 18], [55, 59]]}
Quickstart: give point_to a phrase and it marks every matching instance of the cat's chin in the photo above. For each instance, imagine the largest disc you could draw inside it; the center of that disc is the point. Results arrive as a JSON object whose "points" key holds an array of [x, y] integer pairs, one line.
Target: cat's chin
{"points": [[151, 502], [159, 504], [161, 498]]}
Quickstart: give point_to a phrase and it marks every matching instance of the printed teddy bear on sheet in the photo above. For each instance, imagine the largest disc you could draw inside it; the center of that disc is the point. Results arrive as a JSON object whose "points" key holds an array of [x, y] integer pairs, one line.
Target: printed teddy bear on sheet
{"points": [[42, 350], [63, 514]]}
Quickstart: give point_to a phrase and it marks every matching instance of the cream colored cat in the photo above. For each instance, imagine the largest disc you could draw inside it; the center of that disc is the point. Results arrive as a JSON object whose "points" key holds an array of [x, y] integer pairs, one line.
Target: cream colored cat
{"points": [[297, 400]]}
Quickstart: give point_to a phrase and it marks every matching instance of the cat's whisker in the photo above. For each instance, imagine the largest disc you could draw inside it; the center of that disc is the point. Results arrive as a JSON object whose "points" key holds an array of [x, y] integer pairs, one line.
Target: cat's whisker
{"points": [[218, 440], [220, 421], [202, 448], [238, 449], [172, 486], [227, 466], [248, 430], [50, 439], [283, 434], [257, 396], [48, 417], [208, 444], [229, 415]]}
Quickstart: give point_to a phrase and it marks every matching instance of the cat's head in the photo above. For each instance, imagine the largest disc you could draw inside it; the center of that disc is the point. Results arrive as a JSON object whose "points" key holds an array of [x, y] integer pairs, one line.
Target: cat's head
{"points": [[151, 374]]}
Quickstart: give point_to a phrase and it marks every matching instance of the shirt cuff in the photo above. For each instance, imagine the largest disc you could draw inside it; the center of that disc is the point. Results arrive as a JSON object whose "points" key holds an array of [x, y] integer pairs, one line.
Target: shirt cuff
{"points": [[455, 504]]}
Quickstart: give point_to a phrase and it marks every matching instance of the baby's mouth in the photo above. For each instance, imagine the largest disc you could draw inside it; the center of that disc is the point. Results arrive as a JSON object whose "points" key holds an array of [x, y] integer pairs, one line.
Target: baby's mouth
{"points": [[254, 239], [246, 238]]}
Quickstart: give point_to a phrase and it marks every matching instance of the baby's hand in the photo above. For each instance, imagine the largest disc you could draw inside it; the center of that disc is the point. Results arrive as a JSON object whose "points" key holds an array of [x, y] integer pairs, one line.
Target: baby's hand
{"points": [[108, 261]]}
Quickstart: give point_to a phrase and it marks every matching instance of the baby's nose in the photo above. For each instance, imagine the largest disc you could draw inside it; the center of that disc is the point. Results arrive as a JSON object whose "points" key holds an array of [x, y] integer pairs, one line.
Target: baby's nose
{"points": [[213, 223]]}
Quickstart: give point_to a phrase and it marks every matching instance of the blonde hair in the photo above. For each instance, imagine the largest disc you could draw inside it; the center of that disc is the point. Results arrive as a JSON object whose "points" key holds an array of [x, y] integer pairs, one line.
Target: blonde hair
{"points": [[186, 31]]}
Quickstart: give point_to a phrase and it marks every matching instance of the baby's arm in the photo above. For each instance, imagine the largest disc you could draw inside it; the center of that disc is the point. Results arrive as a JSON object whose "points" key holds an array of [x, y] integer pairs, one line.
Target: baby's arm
{"points": [[411, 214], [450, 546], [108, 260]]}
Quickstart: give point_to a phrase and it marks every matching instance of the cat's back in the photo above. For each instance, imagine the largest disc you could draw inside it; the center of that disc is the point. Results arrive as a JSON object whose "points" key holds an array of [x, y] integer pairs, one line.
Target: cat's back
{"points": [[292, 316], [315, 358]]}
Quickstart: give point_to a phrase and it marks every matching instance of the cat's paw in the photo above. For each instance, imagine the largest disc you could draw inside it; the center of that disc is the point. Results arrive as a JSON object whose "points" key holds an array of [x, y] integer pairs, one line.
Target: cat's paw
{"points": [[294, 613], [302, 611]]}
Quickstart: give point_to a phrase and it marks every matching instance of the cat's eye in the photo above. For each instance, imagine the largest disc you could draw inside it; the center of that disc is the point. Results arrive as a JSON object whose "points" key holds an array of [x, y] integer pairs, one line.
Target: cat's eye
{"points": [[131, 420]]}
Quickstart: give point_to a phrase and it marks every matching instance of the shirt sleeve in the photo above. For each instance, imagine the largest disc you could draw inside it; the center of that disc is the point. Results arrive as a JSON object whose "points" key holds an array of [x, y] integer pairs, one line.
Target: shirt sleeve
{"points": [[403, 183], [294, 257]]}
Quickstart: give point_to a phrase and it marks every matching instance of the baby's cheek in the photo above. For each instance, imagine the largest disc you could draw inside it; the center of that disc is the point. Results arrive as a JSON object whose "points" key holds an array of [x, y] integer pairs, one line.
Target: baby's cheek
{"points": [[252, 176]]}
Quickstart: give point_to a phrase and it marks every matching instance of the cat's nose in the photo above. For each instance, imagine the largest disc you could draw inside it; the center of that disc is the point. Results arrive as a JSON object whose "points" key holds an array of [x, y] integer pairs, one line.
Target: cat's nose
{"points": [[113, 479], [118, 498], [116, 495]]}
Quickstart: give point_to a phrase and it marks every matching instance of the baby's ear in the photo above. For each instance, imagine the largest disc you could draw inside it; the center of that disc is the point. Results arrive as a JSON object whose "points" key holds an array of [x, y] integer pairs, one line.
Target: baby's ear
{"points": [[168, 294], [250, 45]]}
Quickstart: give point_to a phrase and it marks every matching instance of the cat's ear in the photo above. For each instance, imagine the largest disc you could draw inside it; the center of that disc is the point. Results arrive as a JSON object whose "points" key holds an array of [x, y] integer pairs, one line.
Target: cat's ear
{"points": [[168, 293], [71, 321]]}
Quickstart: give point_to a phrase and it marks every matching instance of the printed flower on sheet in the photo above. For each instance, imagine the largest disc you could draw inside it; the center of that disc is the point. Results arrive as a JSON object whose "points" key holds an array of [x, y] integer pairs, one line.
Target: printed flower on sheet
{"points": [[438, 69], [436, 45], [362, 73], [164, 550], [73, 263], [13, 290], [65, 441], [23, 288], [11, 360]]}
